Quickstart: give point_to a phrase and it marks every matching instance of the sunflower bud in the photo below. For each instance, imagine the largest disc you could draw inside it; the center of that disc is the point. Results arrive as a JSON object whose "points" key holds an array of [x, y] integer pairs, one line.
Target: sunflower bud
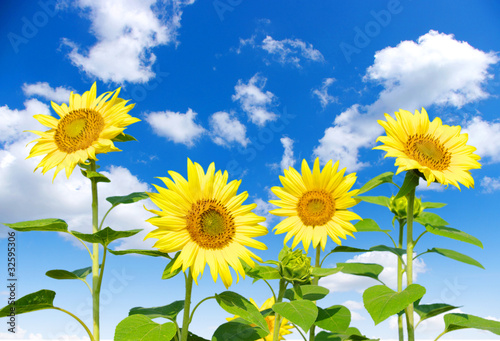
{"points": [[295, 267], [399, 206]]}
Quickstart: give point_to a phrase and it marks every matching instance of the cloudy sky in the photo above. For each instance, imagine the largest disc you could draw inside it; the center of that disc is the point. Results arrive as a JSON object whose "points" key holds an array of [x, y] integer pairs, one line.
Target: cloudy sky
{"points": [[255, 87]]}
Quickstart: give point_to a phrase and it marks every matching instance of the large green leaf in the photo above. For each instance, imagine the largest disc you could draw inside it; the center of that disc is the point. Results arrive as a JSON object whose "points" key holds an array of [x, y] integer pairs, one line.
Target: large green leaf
{"points": [[432, 205], [142, 328], [409, 183], [342, 248], [426, 311], [453, 234], [262, 272], [323, 272], [380, 200], [382, 302], [152, 253], [52, 224], [64, 274], [169, 311], [99, 177], [368, 225], [303, 313], [123, 138], [397, 251], [335, 319], [308, 292], [362, 269], [105, 236], [127, 199], [376, 181], [236, 304], [456, 256], [429, 218], [462, 321], [351, 334], [235, 331], [168, 273], [39, 300]]}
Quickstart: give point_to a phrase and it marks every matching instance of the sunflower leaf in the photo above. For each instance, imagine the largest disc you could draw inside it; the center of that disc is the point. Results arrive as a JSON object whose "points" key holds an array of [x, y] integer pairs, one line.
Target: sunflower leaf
{"points": [[105, 236], [351, 334], [432, 205], [397, 251], [368, 225], [303, 313], [236, 304], [461, 321], [380, 200], [429, 218], [308, 292], [410, 183], [123, 138], [43, 299], [169, 311], [80, 274], [342, 248], [456, 256], [99, 177], [56, 225], [323, 272], [152, 253], [261, 272], [362, 269], [426, 311], [335, 318], [376, 181], [452, 233], [168, 273], [127, 199], [142, 328], [236, 331]]}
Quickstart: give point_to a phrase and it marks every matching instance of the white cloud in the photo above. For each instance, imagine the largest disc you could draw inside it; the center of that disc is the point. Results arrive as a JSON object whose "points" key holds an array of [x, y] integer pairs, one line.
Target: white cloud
{"points": [[126, 33], [262, 209], [422, 186], [43, 89], [490, 185], [15, 121], [353, 306], [291, 50], [176, 126], [19, 335], [287, 160], [226, 129], [485, 136], [437, 69], [254, 101], [322, 93], [345, 282]]}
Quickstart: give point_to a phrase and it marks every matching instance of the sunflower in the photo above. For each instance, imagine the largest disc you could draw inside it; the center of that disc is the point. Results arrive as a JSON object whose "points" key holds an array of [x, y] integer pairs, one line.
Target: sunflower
{"points": [[205, 219], [437, 151], [86, 127], [316, 204], [285, 326]]}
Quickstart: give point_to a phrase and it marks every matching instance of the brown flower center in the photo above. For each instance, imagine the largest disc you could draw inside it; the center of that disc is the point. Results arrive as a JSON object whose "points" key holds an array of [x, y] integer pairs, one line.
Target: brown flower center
{"points": [[210, 224], [428, 151], [316, 208], [78, 130]]}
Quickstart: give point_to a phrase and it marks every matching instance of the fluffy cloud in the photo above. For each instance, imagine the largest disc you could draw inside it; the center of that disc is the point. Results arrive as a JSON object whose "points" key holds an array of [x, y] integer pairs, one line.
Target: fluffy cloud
{"points": [[176, 126], [15, 121], [485, 136], [291, 50], [287, 160], [254, 101], [126, 32], [322, 93], [226, 130], [43, 89], [490, 185], [437, 69]]}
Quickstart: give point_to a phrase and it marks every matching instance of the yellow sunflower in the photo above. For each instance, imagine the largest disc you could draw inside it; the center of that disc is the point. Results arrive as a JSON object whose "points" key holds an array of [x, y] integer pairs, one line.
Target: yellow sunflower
{"points": [[86, 127], [438, 151], [285, 326], [316, 204], [205, 219]]}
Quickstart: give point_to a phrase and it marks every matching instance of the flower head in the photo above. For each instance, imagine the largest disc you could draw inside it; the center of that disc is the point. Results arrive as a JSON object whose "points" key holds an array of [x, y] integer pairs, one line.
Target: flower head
{"points": [[85, 128], [204, 219], [315, 204], [437, 151], [295, 267]]}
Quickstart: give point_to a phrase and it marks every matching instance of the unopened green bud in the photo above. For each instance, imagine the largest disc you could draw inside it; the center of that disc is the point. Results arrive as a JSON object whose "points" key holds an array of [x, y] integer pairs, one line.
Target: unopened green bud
{"points": [[295, 267], [399, 206]]}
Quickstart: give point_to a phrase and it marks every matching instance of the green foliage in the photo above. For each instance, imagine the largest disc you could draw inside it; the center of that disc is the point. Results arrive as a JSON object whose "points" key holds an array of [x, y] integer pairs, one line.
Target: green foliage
{"points": [[93, 175], [368, 225], [380, 200], [456, 256], [409, 183], [236, 304], [351, 334], [80, 274], [362, 269], [168, 273], [142, 328], [169, 311], [426, 311], [52, 224], [127, 199], [453, 234], [235, 331], [432, 205], [295, 267], [307, 292], [43, 299], [123, 138], [429, 218], [152, 253], [303, 313], [104, 236], [335, 318], [261, 272], [323, 272], [462, 321], [376, 181]]}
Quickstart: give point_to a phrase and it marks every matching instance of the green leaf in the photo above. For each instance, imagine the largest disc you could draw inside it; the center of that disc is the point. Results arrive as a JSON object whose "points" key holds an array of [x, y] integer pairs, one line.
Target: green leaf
{"points": [[335, 319], [430, 218], [105, 236], [397, 251], [236, 331], [167, 273], [456, 256], [99, 177], [39, 300], [262, 272], [426, 311], [380, 200], [152, 253], [362, 269], [169, 311], [462, 321], [410, 183], [352, 334], [342, 248], [64, 274], [432, 205], [303, 313], [309, 292], [127, 199], [453, 234], [142, 328], [382, 302], [283, 252], [236, 304], [52, 224], [271, 262], [323, 272], [368, 225], [123, 138], [376, 181]]}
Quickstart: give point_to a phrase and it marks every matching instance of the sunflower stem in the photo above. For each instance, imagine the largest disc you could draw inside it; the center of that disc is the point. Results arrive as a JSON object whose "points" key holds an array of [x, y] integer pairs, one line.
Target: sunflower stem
{"points": [[281, 294], [96, 288], [187, 304], [78, 320], [315, 282], [409, 261], [400, 278]]}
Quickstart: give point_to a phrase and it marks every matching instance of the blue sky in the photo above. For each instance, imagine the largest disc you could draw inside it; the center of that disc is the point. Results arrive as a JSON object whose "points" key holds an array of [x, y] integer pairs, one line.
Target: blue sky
{"points": [[255, 87]]}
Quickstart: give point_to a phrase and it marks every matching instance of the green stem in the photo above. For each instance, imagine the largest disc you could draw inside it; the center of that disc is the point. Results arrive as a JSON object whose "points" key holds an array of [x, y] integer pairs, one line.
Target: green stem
{"points": [[301, 334], [409, 261], [315, 282], [400, 278], [103, 218], [270, 287], [95, 255], [79, 321], [81, 241], [102, 268], [187, 304], [196, 307], [439, 336], [281, 294]]}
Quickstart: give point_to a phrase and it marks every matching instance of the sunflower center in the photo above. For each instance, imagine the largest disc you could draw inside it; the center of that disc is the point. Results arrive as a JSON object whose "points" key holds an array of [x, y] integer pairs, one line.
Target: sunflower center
{"points": [[316, 208], [210, 224], [78, 130], [428, 151]]}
